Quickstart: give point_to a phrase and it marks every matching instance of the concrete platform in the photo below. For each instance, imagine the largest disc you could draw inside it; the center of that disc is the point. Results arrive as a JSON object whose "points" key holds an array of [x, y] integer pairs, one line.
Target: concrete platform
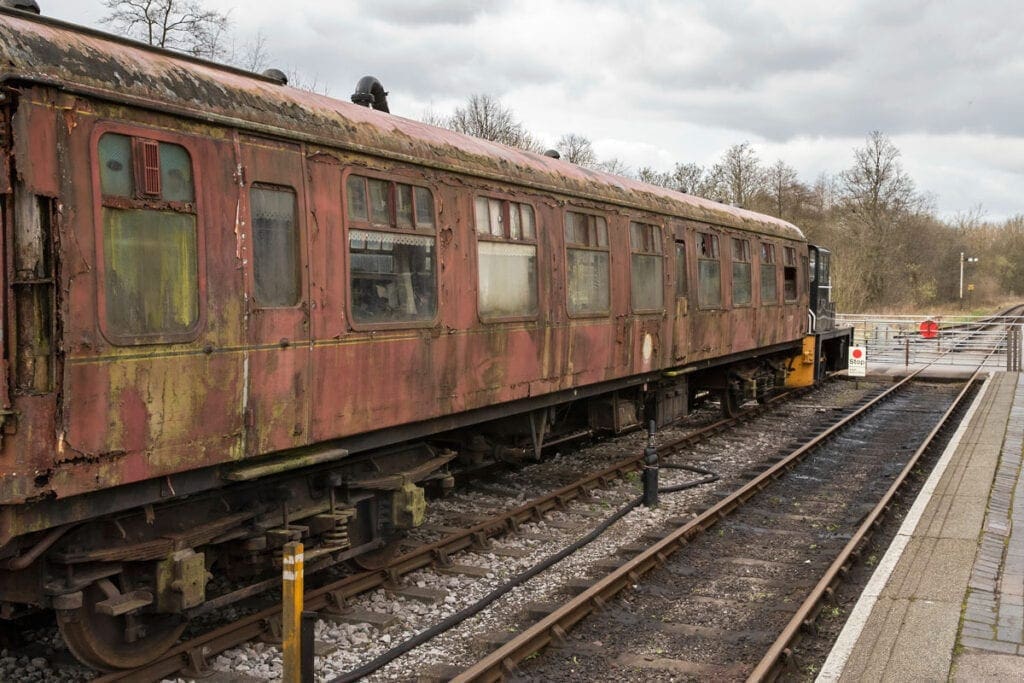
{"points": [[946, 602]]}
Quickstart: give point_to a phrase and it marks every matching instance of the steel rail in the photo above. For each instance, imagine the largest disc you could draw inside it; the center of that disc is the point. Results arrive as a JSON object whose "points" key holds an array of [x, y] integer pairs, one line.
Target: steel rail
{"points": [[780, 651], [554, 626], [191, 655]]}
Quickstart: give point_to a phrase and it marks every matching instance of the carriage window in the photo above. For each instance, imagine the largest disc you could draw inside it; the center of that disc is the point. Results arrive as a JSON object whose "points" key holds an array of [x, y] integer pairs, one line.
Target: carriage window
{"points": [[506, 259], [709, 269], [681, 283], [150, 240], [392, 257], [789, 289], [275, 241], [647, 281], [741, 279], [769, 274], [586, 240]]}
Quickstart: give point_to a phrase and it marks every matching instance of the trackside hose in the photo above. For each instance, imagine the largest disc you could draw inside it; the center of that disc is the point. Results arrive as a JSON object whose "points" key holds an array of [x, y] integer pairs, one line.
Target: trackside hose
{"points": [[457, 618]]}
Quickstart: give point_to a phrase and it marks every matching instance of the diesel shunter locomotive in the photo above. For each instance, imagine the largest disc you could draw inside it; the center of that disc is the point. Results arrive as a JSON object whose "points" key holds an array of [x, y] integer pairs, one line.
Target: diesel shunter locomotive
{"points": [[236, 314]]}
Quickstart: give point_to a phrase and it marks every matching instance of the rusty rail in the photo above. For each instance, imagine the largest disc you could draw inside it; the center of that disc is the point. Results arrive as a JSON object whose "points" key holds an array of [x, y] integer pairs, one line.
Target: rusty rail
{"points": [[553, 627], [190, 657]]}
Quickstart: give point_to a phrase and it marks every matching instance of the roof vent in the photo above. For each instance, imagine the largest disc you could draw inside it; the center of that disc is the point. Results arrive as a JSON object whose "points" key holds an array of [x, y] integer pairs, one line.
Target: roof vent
{"points": [[276, 75], [370, 93], [553, 153], [24, 5]]}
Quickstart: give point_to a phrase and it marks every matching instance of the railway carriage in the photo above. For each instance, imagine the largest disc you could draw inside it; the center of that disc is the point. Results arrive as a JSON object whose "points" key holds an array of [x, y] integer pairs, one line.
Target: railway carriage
{"points": [[237, 314]]}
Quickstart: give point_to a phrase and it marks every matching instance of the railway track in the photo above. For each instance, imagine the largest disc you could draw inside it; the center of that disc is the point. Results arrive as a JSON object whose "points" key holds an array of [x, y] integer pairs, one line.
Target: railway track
{"points": [[192, 657], [733, 604]]}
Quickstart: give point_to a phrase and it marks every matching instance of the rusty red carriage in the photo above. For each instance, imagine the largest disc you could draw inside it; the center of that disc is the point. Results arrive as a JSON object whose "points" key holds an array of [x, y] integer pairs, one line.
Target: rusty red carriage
{"points": [[237, 313]]}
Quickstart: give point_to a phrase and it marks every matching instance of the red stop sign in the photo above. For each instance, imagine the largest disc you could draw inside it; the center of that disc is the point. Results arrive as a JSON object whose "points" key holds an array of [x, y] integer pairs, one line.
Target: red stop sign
{"points": [[857, 353], [929, 329]]}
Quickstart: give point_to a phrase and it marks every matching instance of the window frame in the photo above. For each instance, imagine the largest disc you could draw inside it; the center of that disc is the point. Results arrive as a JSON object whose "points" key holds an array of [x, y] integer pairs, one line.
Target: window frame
{"points": [[349, 225], [507, 202], [747, 252], [761, 263], [717, 240], [679, 246], [300, 246], [140, 202], [652, 246], [786, 251], [566, 246]]}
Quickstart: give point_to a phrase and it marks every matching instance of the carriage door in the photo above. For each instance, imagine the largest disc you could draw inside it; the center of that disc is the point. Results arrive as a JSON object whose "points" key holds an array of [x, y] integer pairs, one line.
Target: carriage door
{"points": [[681, 285], [272, 239]]}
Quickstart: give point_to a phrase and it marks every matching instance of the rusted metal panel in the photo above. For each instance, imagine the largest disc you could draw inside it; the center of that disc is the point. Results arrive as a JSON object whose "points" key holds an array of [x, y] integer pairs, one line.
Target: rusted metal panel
{"points": [[50, 51], [35, 144]]}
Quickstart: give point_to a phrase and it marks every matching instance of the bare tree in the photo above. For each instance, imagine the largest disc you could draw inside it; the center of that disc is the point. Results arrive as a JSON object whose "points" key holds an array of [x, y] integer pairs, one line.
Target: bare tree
{"points": [[880, 217], [484, 116], [431, 117], [740, 175], [876, 184], [577, 149], [615, 166], [688, 177], [783, 189], [649, 175], [254, 55], [182, 25]]}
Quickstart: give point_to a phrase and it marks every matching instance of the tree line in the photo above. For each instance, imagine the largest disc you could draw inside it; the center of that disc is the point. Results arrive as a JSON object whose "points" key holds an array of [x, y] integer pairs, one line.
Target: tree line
{"points": [[891, 249]]}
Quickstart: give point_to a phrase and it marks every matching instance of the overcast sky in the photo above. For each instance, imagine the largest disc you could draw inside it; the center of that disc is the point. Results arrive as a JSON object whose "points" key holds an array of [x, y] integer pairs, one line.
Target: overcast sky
{"points": [[654, 83]]}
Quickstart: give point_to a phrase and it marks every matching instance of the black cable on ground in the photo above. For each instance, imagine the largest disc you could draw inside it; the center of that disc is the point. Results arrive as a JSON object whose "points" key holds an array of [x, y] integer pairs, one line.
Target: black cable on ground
{"points": [[457, 618]]}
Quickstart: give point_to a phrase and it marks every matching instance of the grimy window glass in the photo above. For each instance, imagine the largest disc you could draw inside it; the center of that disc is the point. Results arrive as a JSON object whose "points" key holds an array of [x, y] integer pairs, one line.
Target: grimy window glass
{"points": [[769, 274], [150, 243], [647, 279], [392, 252], [709, 272], [741, 277], [589, 288], [275, 240], [681, 283], [506, 259], [393, 277]]}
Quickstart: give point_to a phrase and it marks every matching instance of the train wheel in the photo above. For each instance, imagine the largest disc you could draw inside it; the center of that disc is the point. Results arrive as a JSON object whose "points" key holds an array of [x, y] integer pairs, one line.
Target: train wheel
{"points": [[730, 403], [103, 641], [378, 559]]}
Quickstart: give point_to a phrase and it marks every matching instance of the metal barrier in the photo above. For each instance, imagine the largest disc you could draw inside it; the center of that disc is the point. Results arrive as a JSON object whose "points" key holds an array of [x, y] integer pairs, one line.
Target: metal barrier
{"points": [[993, 342]]}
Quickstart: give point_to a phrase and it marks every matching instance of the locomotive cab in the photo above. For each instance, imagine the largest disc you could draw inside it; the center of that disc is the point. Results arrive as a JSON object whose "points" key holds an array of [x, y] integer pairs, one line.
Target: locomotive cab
{"points": [[825, 346], [822, 310]]}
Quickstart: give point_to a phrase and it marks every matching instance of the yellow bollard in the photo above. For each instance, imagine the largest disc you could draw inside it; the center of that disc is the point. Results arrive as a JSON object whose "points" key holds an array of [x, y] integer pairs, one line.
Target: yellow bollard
{"points": [[291, 617]]}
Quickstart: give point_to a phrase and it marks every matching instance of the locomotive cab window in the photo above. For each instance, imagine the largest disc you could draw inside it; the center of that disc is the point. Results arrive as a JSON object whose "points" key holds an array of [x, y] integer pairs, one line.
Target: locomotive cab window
{"points": [[741, 278], [586, 242], [506, 258], [789, 284], [709, 270], [769, 275], [148, 230], [392, 251], [647, 280]]}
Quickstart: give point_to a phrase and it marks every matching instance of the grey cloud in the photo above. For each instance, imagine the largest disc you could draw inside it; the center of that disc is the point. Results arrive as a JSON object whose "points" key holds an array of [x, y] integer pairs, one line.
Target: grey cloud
{"points": [[452, 12]]}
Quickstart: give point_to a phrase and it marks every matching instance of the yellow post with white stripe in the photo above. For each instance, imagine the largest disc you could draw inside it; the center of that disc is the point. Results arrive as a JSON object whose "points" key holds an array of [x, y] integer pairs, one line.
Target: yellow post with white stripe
{"points": [[291, 617]]}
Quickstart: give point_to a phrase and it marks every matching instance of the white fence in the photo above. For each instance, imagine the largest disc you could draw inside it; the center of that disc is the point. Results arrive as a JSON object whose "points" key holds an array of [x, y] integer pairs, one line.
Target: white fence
{"points": [[993, 342]]}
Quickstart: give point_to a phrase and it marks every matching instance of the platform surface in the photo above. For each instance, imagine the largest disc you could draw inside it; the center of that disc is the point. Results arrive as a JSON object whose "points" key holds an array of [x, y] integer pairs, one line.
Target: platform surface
{"points": [[946, 602]]}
